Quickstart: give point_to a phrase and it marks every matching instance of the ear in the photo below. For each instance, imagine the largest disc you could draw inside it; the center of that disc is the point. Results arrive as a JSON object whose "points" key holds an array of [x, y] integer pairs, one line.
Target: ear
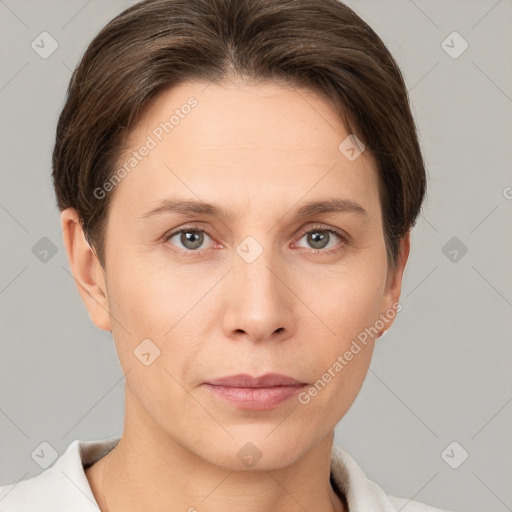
{"points": [[86, 269], [391, 297]]}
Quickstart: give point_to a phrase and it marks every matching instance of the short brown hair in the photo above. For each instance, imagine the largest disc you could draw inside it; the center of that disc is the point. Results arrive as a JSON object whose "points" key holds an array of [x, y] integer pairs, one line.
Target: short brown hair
{"points": [[319, 45]]}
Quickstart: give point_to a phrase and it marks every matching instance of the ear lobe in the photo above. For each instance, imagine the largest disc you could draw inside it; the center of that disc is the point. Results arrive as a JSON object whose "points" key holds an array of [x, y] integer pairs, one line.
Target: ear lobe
{"points": [[86, 269]]}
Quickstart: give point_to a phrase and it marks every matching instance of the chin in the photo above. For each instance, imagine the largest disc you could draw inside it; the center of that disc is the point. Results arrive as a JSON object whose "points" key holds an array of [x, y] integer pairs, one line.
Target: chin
{"points": [[257, 452]]}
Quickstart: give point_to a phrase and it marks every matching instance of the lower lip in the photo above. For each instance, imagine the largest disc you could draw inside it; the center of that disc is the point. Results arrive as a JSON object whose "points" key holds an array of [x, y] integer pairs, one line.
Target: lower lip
{"points": [[256, 399]]}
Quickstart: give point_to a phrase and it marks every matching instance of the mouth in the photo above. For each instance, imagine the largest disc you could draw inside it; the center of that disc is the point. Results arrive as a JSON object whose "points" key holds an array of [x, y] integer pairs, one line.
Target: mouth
{"points": [[255, 393]]}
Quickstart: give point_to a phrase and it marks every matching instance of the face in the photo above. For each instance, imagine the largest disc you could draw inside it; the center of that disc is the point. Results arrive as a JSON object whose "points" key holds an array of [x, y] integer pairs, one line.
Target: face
{"points": [[263, 285]]}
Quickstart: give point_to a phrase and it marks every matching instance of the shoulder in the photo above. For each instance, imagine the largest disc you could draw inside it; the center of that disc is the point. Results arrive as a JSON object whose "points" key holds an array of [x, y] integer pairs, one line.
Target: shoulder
{"points": [[61, 487], [34, 494], [364, 494]]}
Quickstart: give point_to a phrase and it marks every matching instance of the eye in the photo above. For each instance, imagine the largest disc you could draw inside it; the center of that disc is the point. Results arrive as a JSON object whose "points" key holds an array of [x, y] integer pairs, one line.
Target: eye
{"points": [[191, 239], [320, 239], [323, 240]]}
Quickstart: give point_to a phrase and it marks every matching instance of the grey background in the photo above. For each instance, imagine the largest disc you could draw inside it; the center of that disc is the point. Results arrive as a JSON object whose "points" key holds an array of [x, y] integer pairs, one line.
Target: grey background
{"points": [[442, 372]]}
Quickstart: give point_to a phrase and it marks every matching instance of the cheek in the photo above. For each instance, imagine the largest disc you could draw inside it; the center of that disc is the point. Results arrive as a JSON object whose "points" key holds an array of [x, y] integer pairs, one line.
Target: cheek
{"points": [[348, 305], [155, 345], [347, 301], [343, 354], [151, 303], [145, 295]]}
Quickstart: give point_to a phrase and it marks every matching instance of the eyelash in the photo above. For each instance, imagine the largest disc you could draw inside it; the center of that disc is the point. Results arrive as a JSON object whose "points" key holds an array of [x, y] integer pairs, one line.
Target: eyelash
{"points": [[345, 239]]}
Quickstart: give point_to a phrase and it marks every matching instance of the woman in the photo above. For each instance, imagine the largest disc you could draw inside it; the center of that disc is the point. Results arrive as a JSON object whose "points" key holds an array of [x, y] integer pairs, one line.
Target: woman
{"points": [[238, 180]]}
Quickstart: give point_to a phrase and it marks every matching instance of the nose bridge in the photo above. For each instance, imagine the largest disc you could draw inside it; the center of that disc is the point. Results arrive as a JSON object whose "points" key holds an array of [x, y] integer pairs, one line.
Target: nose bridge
{"points": [[256, 265], [258, 303]]}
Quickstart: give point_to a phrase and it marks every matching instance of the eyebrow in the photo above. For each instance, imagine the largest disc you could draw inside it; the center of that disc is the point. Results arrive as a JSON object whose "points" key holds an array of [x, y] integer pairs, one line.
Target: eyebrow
{"points": [[190, 208]]}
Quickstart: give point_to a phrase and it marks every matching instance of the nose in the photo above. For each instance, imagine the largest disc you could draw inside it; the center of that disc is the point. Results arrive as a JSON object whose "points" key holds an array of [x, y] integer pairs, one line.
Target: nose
{"points": [[259, 304]]}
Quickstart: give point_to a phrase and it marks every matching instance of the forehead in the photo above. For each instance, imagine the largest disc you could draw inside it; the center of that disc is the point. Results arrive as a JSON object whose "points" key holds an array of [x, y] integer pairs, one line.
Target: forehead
{"points": [[258, 140], [241, 115]]}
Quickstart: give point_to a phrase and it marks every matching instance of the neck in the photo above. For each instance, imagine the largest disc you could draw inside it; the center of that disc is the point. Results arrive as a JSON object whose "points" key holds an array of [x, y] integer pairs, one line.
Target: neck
{"points": [[155, 472]]}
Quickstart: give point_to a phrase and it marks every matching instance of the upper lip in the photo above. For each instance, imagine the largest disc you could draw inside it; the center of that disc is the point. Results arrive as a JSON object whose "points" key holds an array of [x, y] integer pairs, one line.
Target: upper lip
{"points": [[242, 380]]}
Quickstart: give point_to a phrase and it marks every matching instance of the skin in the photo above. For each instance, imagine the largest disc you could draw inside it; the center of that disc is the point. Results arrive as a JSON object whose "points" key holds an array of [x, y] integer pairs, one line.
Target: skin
{"points": [[259, 151]]}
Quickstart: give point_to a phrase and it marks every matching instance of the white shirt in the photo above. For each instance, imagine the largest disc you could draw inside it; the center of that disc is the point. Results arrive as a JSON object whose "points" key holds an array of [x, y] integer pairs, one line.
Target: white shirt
{"points": [[64, 487]]}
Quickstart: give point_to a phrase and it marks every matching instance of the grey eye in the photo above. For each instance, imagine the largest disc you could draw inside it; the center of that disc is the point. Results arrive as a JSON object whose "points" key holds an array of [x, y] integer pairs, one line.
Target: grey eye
{"points": [[189, 239], [320, 238]]}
